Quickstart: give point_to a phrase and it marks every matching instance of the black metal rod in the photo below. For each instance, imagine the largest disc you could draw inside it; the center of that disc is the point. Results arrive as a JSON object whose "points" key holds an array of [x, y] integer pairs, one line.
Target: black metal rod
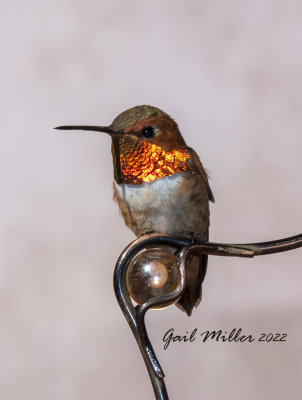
{"points": [[135, 315], [274, 246]]}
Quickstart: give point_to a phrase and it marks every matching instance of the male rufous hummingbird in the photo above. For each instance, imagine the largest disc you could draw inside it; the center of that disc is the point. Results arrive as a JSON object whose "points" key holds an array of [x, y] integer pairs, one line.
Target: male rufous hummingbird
{"points": [[159, 184]]}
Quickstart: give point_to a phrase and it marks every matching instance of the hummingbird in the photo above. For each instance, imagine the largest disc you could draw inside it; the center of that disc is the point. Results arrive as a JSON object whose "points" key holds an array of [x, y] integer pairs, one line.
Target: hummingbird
{"points": [[159, 184]]}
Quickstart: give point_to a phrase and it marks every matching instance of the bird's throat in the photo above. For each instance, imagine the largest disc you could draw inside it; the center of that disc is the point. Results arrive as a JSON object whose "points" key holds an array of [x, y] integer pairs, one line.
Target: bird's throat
{"points": [[142, 161]]}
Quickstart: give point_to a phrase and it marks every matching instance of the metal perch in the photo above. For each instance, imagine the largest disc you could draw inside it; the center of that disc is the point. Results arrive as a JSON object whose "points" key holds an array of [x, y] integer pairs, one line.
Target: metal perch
{"points": [[135, 314]]}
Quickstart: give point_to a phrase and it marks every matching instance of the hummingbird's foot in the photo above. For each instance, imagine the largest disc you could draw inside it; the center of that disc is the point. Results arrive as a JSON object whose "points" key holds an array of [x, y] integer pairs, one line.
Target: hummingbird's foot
{"points": [[148, 233], [194, 237]]}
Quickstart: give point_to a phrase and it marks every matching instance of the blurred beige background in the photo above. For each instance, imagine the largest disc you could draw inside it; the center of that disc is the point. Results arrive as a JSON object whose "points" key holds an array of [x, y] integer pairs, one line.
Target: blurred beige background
{"points": [[230, 73]]}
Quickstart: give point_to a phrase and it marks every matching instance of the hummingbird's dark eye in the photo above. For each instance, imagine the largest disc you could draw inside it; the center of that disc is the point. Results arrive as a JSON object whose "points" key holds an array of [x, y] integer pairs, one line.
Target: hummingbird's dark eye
{"points": [[148, 131]]}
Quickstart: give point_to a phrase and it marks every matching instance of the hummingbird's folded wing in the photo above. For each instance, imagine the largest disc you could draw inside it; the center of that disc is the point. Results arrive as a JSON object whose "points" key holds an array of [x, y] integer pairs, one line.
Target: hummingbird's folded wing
{"points": [[196, 166]]}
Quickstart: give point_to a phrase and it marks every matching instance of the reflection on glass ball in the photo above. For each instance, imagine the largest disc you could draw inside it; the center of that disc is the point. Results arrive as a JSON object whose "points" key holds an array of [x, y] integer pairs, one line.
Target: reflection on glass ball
{"points": [[152, 273]]}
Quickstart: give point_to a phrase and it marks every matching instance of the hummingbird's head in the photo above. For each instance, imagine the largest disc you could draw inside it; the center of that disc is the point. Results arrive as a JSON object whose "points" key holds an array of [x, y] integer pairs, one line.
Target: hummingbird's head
{"points": [[150, 124], [144, 140]]}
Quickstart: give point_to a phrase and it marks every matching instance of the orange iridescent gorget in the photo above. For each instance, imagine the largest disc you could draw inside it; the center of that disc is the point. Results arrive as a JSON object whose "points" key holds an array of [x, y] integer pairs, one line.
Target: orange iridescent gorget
{"points": [[144, 162]]}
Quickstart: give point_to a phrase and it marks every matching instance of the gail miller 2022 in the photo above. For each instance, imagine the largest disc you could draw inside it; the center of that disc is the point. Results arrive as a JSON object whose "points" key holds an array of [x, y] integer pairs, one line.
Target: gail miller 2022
{"points": [[234, 336]]}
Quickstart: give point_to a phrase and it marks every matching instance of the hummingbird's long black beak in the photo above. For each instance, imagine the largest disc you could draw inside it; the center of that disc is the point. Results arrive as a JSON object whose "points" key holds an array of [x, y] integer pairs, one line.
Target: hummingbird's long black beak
{"points": [[105, 129]]}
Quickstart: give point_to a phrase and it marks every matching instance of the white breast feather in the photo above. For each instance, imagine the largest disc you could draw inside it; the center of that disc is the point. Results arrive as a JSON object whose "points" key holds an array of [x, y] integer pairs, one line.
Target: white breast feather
{"points": [[161, 206]]}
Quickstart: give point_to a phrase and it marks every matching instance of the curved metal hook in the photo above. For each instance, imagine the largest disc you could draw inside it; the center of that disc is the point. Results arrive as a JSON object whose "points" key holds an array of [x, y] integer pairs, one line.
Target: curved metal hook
{"points": [[135, 315]]}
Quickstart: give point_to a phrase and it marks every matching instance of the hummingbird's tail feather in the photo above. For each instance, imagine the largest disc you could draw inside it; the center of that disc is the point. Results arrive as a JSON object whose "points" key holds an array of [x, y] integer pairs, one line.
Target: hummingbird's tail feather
{"points": [[196, 268]]}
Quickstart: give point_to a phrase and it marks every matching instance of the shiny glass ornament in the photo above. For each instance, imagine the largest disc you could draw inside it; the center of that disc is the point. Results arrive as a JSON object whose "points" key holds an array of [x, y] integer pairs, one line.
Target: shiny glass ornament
{"points": [[152, 273]]}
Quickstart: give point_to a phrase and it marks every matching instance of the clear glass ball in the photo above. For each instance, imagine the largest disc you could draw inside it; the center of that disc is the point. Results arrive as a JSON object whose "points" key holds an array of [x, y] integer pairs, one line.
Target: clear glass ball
{"points": [[152, 273]]}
